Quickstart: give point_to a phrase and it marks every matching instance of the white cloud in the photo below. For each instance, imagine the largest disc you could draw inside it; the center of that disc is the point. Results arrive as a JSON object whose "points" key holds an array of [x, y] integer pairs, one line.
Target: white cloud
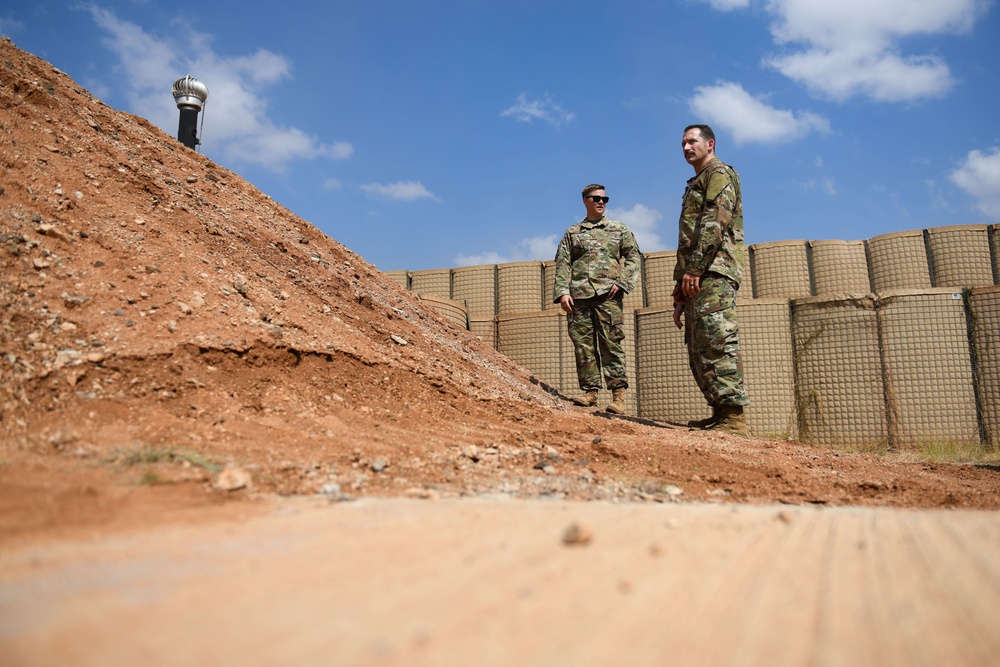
{"points": [[727, 5], [399, 191], [979, 177], [483, 258], [538, 248], [235, 123], [852, 47], [526, 111], [9, 25], [643, 221], [824, 184], [727, 105]]}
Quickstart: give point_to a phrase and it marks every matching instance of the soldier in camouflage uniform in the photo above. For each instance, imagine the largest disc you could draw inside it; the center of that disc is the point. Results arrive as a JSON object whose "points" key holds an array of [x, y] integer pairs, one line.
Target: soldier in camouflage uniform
{"points": [[596, 265], [708, 273]]}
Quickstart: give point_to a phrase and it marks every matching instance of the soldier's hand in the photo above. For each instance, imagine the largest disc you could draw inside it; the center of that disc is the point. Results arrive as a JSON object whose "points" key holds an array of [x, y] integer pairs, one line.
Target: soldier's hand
{"points": [[678, 311], [566, 303], [614, 291], [690, 284]]}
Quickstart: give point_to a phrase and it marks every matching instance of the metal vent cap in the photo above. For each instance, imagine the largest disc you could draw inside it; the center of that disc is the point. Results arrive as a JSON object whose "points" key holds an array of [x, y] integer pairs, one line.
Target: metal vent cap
{"points": [[190, 92]]}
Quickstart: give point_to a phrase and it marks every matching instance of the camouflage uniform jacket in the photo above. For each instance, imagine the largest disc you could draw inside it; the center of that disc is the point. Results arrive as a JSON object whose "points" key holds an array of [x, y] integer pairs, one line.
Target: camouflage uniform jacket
{"points": [[711, 224], [593, 256]]}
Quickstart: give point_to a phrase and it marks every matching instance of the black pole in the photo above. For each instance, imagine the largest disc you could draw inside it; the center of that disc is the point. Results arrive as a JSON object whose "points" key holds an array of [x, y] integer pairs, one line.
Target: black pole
{"points": [[187, 129]]}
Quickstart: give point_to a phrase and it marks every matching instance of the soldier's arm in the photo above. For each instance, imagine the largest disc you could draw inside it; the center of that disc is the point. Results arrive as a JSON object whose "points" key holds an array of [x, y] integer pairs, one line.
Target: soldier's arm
{"points": [[717, 215], [630, 267], [563, 269]]}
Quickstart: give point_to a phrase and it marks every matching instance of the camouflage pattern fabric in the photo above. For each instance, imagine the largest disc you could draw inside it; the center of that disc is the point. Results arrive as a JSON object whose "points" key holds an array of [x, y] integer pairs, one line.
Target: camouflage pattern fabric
{"points": [[599, 318], [712, 334], [711, 224], [592, 257]]}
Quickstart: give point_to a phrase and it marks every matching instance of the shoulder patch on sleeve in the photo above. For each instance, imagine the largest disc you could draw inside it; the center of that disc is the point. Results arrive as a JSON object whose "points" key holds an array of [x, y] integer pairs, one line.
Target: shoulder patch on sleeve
{"points": [[717, 182]]}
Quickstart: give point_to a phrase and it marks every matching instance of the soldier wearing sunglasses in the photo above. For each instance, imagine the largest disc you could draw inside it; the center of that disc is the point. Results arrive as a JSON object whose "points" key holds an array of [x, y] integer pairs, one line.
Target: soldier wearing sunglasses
{"points": [[596, 265]]}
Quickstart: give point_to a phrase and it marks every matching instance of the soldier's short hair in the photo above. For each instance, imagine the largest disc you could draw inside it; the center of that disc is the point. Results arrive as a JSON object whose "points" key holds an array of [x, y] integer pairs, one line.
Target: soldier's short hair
{"points": [[706, 131], [590, 188]]}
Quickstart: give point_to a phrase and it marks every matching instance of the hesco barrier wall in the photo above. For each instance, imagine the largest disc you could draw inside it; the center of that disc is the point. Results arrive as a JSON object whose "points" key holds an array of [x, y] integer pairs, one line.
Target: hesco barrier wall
{"points": [[666, 390], [453, 311], [899, 261], [519, 287], [485, 329], [769, 372], [928, 367], [402, 278], [838, 372], [432, 281], [536, 341], [659, 279], [960, 255], [477, 286], [780, 269], [839, 268], [984, 304], [894, 340], [995, 247]]}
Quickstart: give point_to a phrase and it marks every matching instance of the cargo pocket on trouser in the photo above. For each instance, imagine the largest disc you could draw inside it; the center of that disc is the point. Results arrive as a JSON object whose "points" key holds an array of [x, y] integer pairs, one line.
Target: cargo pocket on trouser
{"points": [[614, 319], [717, 293], [612, 322]]}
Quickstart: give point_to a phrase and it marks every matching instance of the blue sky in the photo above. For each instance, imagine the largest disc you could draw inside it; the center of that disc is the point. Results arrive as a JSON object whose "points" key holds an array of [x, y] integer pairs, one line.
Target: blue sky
{"points": [[445, 133]]}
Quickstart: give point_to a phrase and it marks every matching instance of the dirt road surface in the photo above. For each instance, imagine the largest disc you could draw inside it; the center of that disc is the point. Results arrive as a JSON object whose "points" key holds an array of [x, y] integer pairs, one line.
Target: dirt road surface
{"points": [[495, 582]]}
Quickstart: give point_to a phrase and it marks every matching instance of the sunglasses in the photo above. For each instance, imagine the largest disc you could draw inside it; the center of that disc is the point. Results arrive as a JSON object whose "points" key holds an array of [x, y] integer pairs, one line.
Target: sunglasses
{"points": [[598, 200]]}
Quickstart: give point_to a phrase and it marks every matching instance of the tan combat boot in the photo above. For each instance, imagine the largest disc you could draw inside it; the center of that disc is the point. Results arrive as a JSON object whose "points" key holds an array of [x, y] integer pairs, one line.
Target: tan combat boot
{"points": [[617, 404], [732, 422], [708, 422], [588, 400]]}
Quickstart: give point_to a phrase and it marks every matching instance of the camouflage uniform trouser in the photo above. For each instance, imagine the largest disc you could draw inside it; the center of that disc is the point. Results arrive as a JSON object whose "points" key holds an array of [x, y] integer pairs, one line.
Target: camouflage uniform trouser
{"points": [[712, 334], [599, 318]]}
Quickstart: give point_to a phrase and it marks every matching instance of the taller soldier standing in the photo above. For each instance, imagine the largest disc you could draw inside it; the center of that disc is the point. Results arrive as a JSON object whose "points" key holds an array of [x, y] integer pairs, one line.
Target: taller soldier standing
{"points": [[707, 274], [596, 264]]}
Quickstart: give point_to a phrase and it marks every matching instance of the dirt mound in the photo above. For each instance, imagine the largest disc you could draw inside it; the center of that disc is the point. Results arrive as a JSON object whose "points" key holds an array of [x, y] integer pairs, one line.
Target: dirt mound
{"points": [[172, 337]]}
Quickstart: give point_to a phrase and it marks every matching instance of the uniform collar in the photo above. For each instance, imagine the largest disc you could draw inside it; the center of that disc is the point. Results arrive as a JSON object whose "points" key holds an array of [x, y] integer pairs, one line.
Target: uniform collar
{"points": [[594, 223], [715, 158]]}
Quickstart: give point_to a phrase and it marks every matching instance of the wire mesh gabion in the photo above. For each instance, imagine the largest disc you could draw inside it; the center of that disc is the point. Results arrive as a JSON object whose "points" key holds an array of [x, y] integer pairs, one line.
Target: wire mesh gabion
{"points": [[768, 371], [838, 372], [666, 389], [960, 255], [484, 328], [840, 268], [400, 277], [431, 281], [899, 261], [984, 307], [658, 268], [930, 387], [535, 341], [995, 248], [781, 269], [519, 287], [451, 310], [477, 285]]}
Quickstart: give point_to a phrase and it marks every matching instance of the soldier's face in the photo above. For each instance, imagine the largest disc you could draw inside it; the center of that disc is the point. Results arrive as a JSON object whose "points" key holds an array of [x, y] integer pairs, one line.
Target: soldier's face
{"points": [[595, 209], [697, 151]]}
